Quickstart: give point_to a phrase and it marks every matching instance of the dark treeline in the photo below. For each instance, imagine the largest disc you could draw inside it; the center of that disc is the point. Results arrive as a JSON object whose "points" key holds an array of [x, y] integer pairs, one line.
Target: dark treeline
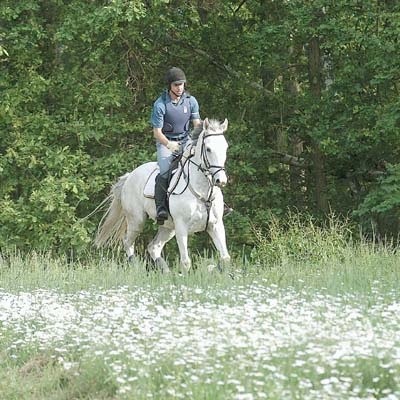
{"points": [[310, 88]]}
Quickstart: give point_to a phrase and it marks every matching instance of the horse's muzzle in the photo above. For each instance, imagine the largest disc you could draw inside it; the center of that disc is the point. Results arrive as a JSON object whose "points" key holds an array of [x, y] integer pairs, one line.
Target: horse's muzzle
{"points": [[220, 183], [220, 179]]}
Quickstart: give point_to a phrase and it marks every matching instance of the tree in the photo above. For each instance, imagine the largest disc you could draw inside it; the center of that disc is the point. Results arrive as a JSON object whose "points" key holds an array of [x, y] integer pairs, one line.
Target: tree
{"points": [[310, 90]]}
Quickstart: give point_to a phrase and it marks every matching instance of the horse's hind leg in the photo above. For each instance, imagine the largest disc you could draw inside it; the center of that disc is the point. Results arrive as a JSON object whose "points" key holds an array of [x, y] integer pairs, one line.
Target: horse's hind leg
{"points": [[134, 228], [156, 246]]}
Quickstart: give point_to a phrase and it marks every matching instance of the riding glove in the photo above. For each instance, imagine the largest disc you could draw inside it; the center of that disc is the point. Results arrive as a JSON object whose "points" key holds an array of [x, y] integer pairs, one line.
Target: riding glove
{"points": [[173, 146]]}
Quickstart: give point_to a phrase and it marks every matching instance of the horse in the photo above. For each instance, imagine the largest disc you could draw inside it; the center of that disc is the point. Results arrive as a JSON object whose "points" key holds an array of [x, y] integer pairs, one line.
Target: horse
{"points": [[195, 200]]}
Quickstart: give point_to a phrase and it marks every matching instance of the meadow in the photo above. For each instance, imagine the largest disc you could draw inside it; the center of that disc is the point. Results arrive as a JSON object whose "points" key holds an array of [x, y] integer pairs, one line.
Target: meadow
{"points": [[310, 315]]}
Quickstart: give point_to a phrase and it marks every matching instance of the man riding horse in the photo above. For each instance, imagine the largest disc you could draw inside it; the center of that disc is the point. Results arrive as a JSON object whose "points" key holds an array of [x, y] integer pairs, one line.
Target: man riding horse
{"points": [[172, 114]]}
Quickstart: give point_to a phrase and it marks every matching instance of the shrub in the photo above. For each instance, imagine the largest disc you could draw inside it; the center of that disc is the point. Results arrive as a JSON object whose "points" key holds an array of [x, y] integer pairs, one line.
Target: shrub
{"points": [[301, 238]]}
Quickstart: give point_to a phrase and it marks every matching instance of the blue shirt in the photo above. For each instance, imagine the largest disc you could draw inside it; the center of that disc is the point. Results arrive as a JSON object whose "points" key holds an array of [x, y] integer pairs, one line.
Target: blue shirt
{"points": [[160, 108]]}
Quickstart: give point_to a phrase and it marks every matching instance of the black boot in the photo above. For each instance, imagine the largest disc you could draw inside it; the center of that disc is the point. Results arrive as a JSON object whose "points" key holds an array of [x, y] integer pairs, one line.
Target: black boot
{"points": [[160, 197]]}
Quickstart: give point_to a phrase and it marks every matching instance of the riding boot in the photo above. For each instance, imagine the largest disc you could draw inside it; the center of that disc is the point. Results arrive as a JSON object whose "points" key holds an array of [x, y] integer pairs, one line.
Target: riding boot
{"points": [[160, 197]]}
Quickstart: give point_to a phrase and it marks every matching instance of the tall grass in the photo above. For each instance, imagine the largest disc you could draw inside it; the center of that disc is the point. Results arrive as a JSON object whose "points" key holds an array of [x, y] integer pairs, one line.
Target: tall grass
{"points": [[298, 252], [301, 239], [302, 252]]}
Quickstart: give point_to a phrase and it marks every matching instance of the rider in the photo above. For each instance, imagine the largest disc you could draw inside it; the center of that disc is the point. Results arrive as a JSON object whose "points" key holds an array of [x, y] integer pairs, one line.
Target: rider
{"points": [[171, 116]]}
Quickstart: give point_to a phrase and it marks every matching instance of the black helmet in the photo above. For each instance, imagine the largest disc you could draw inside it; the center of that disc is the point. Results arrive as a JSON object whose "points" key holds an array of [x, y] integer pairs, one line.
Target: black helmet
{"points": [[175, 74]]}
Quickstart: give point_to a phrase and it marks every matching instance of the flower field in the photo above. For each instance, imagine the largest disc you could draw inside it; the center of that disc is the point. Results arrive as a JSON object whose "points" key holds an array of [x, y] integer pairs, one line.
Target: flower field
{"points": [[190, 338]]}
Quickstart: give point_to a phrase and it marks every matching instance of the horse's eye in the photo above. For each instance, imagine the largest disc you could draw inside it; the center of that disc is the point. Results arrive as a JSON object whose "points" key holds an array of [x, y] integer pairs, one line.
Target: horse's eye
{"points": [[208, 150]]}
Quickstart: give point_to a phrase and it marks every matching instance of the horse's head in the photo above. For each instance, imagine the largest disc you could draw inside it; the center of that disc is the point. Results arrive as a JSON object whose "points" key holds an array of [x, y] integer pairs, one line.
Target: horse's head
{"points": [[213, 148]]}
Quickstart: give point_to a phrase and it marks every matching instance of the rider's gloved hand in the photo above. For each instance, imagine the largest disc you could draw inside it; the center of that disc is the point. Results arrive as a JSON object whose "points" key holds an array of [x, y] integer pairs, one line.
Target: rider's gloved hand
{"points": [[173, 146]]}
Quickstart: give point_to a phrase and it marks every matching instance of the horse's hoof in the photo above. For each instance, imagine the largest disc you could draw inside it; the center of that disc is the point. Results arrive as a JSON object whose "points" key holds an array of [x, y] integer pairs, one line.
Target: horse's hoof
{"points": [[162, 265], [211, 267]]}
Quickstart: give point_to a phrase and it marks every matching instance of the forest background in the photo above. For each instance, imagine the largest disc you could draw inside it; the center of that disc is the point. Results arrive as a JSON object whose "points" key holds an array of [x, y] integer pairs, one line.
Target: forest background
{"points": [[310, 88]]}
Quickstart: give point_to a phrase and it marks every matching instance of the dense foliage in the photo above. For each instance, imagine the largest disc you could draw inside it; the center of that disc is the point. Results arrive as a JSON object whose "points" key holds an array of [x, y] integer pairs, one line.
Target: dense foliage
{"points": [[311, 91]]}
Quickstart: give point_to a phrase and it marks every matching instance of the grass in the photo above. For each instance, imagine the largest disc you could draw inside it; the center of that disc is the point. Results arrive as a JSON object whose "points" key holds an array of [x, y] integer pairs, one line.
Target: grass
{"points": [[359, 268], [311, 315]]}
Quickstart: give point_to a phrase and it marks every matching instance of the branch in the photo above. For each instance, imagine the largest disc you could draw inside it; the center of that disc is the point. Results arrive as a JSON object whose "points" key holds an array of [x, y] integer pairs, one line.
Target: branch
{"points": [[221, 66], [376, 173], [240, 6], [290, 160]]}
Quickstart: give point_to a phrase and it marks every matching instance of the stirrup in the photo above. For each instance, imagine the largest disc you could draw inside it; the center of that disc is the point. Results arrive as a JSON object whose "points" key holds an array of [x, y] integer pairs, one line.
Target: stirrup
{"points": [[162, 215], [227, 210]]}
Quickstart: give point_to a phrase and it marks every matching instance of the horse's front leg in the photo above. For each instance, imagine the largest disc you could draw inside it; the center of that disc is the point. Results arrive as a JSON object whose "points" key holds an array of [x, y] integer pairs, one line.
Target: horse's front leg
{"points": [[156, 246], [217, 234], [182, 240]]}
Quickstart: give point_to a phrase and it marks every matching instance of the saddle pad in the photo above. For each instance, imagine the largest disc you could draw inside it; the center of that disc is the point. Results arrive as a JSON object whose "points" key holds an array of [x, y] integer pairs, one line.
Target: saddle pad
{"points": [[148, 190]]}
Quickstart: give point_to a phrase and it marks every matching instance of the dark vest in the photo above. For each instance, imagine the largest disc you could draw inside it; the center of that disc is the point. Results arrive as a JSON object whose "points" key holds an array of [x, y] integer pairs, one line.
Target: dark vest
{"points": [[177, 117]]}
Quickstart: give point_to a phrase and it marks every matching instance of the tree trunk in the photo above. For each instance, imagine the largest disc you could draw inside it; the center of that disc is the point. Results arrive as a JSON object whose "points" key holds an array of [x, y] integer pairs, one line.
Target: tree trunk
{"points": [[315, 77], [295, 144]]}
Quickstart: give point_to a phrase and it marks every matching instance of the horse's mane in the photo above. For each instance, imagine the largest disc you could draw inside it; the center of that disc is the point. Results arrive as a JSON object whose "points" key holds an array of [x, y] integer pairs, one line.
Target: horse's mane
{"points": [[195, 133], [213, 124]]}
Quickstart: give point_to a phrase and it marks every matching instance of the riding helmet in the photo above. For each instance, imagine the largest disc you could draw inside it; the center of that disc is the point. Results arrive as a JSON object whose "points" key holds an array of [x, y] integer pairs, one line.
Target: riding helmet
{"points": [[176, 75]]}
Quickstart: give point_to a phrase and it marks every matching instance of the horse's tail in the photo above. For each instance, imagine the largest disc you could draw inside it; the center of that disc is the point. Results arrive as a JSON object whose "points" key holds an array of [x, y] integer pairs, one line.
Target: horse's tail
{"points": [[112, 227]]}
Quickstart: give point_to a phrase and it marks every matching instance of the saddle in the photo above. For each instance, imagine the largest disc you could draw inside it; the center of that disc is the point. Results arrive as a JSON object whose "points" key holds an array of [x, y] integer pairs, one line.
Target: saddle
{"points": [[148, 190]]}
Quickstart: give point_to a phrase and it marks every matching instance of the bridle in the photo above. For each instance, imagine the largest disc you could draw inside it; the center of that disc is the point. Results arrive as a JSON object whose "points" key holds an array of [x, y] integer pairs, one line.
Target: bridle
{"points": [[205, 167]]}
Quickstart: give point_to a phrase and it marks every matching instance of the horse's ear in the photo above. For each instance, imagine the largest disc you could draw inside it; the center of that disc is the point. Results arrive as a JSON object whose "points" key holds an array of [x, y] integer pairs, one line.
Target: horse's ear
{"points": [[225, 125], [206, 124]]}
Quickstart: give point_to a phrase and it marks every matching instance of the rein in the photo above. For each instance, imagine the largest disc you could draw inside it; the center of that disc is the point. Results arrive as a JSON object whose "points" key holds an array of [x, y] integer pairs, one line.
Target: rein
{"points": [[206, 170]]}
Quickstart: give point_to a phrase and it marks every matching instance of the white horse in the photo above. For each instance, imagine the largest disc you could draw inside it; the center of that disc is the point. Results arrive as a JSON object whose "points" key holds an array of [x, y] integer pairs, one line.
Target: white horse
{"points": [[195, 200]]}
